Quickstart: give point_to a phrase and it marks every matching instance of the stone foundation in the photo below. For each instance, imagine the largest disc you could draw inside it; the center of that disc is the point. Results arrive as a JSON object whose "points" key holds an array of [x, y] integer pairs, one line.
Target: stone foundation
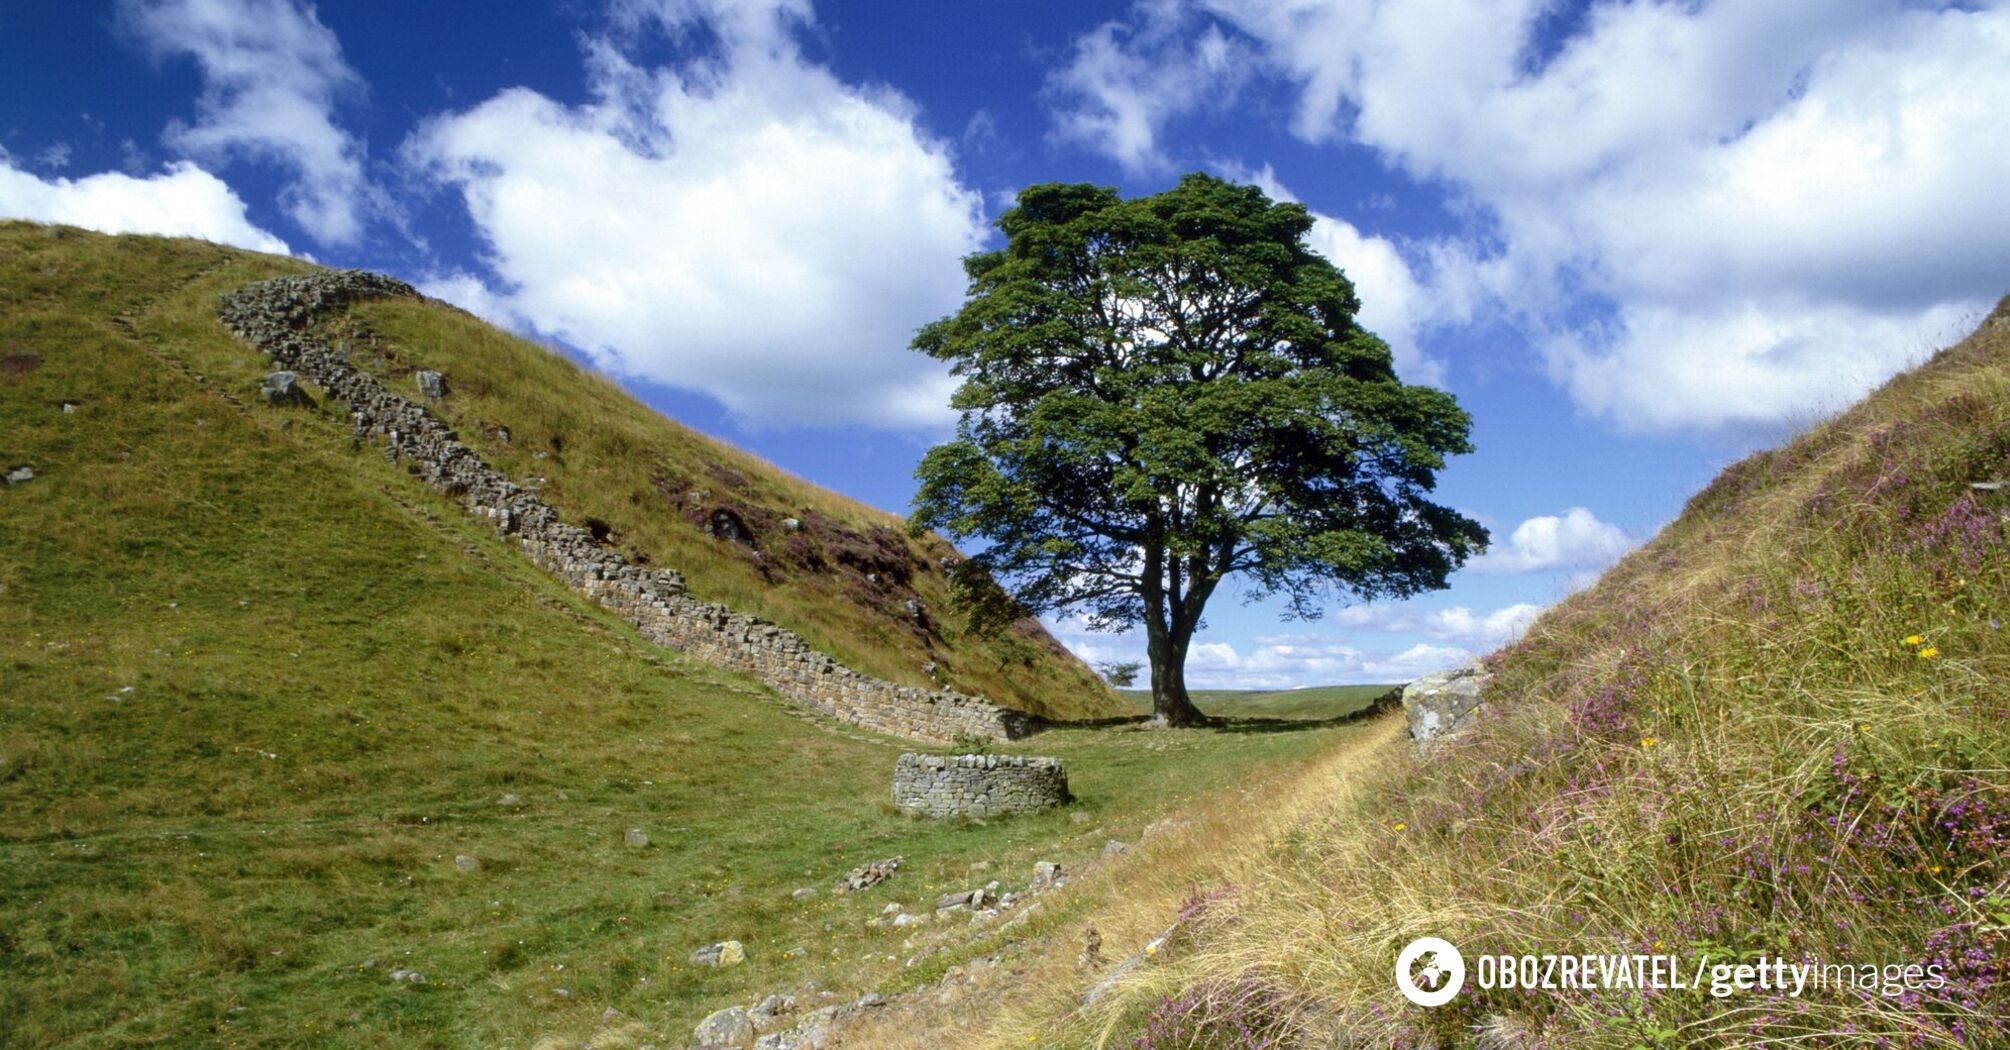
{"points": [[977, 785], [274, 315]]}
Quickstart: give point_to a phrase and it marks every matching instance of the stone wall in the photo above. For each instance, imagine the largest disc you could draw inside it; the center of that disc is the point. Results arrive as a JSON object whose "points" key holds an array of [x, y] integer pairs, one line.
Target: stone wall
{"points": [[274, 316], [977, 785]]}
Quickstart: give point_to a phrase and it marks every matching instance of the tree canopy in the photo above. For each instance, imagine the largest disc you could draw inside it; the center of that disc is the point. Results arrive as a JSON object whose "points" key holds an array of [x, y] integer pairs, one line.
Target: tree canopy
{"points": [[1163, 393]]}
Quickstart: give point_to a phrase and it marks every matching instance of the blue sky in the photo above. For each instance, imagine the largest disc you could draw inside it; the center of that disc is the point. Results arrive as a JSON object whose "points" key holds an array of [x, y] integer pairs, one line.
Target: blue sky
{"points": [[1637, 240]]}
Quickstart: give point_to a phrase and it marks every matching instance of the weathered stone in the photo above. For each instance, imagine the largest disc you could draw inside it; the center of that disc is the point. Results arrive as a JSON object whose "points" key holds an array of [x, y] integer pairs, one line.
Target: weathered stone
{"points": [[769, 1011], [805, 893], [722, 954], [1114, 847], [21, 475], [730, 1027], [432, 384], [1438, 705], [282, 388], [977, 785], [466, 863], [866, 876], [636, 837], [1046, 875]]}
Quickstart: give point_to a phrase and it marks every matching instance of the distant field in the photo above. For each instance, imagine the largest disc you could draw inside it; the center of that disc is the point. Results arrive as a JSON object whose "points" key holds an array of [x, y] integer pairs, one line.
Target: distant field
{"points": [[1310, 703]]}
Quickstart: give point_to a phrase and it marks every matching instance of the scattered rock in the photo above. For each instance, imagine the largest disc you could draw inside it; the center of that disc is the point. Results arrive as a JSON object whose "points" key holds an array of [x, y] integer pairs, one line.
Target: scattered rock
{"points": [[408, 976], [69, 408], [793, 524], [804, 893], [1114, 847], [636, 837], [282, 388], [466, 863], [1046, 876], [771, 1010], [1439, 705], [20, 475], [866, 876], [1091, 958], [730, 1027], [432, 384], [965, 899], [722, 954], [905, 919], [508, 800]]}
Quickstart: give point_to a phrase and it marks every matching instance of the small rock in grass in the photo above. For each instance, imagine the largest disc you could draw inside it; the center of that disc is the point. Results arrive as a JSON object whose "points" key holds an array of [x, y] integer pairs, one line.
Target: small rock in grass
{"points": [[636, 837], [730, 1027], [722, 954], [466, 863]]}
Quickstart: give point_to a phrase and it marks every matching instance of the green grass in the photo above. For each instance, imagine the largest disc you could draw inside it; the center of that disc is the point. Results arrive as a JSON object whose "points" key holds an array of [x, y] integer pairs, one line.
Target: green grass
{"points": [[259, 688], [1312, 703]]}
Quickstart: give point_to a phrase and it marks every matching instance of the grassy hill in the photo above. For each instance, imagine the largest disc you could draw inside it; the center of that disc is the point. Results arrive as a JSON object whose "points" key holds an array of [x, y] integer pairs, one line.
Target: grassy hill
{"points": [[1775, 730], [260, 690]]}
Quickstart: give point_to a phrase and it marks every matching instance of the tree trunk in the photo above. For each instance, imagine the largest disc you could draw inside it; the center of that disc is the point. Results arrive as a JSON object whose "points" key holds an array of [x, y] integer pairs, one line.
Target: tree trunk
{"points": [[1170, 703]]}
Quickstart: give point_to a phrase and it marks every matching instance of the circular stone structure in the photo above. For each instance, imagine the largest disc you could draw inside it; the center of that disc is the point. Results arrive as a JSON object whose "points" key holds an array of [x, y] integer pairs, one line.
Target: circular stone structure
{"points": [[977, 785]]}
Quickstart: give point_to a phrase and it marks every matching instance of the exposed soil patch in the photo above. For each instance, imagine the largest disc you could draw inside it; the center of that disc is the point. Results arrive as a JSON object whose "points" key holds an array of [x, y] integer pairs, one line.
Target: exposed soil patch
{"points": [[19, 364]]}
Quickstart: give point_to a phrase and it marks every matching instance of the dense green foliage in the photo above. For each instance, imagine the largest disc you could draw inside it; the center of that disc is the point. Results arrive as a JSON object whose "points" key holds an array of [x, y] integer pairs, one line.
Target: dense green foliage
{"points": [[1163, 393]]}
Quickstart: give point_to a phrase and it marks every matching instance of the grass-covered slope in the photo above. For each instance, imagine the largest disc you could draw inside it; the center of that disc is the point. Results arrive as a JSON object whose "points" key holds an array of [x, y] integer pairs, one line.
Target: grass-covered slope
{"points": [[1779, 728], [259, 690], [846, 577]]}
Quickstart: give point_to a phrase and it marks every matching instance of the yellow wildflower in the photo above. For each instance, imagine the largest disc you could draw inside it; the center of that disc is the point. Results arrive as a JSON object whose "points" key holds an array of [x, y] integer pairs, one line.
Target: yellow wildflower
{"points": [[1913, 639], [1928, 653], [1400, 825], [1649, 741]]}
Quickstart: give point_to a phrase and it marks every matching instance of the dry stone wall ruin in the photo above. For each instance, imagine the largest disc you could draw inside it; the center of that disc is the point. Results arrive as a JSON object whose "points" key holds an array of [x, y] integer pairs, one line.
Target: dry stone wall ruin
{"points": [[275, 316], [977, 785]]}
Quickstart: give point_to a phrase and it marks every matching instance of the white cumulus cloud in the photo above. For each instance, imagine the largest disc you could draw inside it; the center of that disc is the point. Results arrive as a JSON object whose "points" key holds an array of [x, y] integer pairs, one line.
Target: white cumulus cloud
{"points": [[1458, 623], [271, 73], [1125, 79], [1771, 207], [1575, 539], [746, 224], [181, 201]]}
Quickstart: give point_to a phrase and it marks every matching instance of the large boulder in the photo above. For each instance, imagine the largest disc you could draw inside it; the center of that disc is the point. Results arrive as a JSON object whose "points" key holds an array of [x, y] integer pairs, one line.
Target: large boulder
{"points": [[1441, 704]]}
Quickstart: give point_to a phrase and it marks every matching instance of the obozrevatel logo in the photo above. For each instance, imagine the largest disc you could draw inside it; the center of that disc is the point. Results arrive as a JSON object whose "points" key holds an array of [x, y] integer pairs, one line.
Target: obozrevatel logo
{"points": [[1442, 974]]}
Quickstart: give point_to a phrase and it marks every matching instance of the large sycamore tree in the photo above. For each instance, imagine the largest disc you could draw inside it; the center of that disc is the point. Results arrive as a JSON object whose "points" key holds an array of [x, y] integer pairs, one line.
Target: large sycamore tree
{"points": [[1161, 394]]}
